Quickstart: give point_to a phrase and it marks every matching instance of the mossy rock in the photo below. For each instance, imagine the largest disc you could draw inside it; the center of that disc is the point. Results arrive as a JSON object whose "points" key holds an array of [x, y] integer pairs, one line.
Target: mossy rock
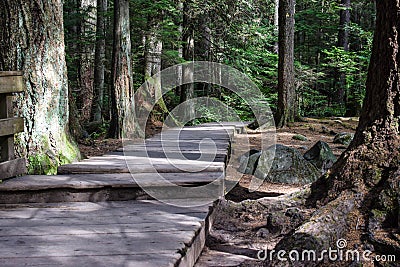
{"points": [[282, 164], [321, 156], [343, 138], [248, 162], [299, 137]]}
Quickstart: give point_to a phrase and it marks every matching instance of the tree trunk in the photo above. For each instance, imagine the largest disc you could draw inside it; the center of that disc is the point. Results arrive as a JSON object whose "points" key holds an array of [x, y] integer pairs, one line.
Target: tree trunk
{"points": [[276, 25], [99, 63], [32, 38], [153, 51], [87, 55], [122, 95], [187, 89], [359, 200], [343, 38], [343, 42], [286, 86]]}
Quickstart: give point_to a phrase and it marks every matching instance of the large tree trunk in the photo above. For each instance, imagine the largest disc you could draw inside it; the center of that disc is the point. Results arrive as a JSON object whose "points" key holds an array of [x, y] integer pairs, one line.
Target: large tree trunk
{"points": [[99, 63], [122, 98], [32, 38], [359, 200], [286, 86]]}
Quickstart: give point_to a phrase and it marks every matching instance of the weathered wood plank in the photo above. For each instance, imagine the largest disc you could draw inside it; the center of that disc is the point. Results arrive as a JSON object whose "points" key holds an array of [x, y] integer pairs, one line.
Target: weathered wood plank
{"points": [[6, 148], [12, 168], [76, 181], [11, 82], [171, 154], [150, 234], [11, 126], [6, 106], [10, 73], [102, 167], [111, 228], [128, 260], [100, 218], [104, 209], [94, 244]]}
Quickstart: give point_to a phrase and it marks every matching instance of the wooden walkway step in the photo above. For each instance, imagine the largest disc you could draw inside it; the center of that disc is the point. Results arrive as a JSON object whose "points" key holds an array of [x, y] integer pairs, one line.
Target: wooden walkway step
{"points": [[94, 213], [131, 233]]}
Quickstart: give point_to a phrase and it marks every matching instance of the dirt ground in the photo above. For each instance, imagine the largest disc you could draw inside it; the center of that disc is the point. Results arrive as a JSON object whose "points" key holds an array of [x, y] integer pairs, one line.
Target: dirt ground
{"points": [[240, 228]]}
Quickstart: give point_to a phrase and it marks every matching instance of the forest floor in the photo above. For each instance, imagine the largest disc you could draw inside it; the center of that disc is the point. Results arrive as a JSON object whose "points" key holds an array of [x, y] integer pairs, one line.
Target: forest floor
{"points": [[247, 222]]}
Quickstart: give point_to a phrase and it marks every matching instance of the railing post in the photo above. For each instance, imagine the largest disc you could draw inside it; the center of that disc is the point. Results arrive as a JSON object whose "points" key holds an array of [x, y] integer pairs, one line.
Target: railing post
{"points": [[10, 82]]}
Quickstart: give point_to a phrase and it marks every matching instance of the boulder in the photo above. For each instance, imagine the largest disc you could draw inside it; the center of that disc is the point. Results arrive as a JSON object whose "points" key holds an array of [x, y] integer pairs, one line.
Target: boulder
{"points": [[321, 156], [287, 166], [248, 161], [343, 138]]}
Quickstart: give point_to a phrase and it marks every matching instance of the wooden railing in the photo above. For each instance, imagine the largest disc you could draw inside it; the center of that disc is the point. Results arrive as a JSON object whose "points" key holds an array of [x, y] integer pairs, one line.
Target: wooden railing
{"points": [[10, 82]]}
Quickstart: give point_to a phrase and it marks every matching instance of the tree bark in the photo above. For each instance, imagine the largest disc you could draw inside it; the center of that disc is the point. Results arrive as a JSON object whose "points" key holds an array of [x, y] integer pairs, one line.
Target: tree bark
{"points": [[276, 25], [343, 42], [286, 86], [122, 95], [32, 38], [187, 89], [359, 199], [100, 57], [87, 56]]}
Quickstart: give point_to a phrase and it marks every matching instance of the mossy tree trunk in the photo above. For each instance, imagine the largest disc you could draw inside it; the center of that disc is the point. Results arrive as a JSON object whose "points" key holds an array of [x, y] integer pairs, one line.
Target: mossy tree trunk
{"points": [[32, 38], [359, 199]]}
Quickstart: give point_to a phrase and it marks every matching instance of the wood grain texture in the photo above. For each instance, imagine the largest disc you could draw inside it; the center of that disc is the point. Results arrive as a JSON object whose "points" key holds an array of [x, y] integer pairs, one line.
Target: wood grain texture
{"points": [[10, 83], [12, 168], [11, 126]]}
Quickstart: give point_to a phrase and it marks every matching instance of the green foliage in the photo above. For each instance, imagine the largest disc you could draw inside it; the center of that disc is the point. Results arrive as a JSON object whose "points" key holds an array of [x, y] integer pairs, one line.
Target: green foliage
{"points": [[243, 36]]}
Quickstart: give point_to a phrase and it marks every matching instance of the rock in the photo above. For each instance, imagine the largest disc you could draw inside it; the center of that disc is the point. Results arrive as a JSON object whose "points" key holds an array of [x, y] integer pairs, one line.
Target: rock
{"points": [[303, 148], [321, 156], [299, 137], [282, 164], [324, 130], [343, 138], [263, 232], [248, 161]]}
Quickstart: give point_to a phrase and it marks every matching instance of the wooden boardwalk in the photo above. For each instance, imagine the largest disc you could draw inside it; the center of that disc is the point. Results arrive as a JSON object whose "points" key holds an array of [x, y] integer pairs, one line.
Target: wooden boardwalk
{"points": [[95, 214]]}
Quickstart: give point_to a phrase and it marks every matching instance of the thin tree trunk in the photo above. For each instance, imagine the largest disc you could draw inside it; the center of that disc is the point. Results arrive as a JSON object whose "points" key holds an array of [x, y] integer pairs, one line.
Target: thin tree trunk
{"points": [[100, 57], [32, 38], [153, 47], [86, 66], [286, 86], [122, 98], [276, 25], [187, 89], [343, 42]]}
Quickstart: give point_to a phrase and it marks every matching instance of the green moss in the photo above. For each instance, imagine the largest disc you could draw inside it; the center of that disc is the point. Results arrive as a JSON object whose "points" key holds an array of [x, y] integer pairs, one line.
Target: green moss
{"points": [[47, 162], [41, 164], [300, 137]]}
